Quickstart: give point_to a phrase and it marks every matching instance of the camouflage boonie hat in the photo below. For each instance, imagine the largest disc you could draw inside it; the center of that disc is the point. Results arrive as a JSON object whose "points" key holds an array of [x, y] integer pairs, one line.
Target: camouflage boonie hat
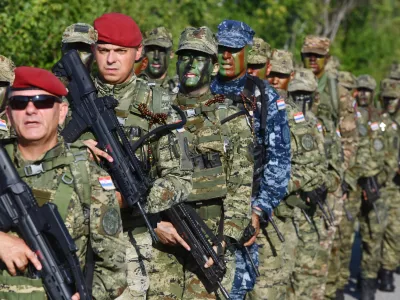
{"points": [[7, 68], [390, 88], [366, 82], [200, 39], [80, 33], [304, 80], [159, 36], [316, 44], [234, 34], [395, 71], [260, 52], [282, 61], [347, 79]]}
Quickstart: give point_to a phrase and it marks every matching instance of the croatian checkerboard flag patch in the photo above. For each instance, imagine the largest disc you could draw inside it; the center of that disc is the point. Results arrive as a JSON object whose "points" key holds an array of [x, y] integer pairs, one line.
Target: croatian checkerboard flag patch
{"points": [[374, 126], [394, 126], [299, 117], [338, 133], [319, 127], [281, 104], [3, 125], [106, 183]]}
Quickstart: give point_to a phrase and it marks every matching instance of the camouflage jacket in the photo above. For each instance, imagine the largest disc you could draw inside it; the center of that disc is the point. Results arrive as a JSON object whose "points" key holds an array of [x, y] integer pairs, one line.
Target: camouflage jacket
{"points": [[216, 158], [276, 172], [392, 146], [91, 214], [371, 149]]}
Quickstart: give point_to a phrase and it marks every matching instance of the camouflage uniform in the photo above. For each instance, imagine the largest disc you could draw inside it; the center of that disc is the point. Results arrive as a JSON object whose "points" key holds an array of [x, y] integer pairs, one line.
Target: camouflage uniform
{"points": [[276, 172], [91, 214], [6, 79], [161, 37], [390, 192], [215, 192]]}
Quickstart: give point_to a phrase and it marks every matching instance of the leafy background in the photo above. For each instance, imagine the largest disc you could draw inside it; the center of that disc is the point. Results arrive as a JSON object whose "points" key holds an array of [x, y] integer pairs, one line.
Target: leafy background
{"points": [[365, 33]]}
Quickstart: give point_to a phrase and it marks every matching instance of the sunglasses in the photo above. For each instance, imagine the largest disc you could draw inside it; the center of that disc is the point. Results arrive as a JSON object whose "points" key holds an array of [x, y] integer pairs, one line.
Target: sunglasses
{"points": [[39, 101]]}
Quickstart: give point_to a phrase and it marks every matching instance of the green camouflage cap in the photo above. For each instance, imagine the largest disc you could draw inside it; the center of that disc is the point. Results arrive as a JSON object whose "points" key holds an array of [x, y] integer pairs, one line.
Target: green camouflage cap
{"points": [[347, 79], [7, 68], [316, 44], [200, 39], [159, 36], [395, 71], [282, 61], [366, 81], [80, 33], [390, 88], [304, 80], [260, 52]]}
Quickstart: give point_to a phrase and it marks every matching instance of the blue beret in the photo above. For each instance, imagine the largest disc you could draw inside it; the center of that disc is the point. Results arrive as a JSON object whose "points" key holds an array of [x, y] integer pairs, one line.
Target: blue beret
{"points": [[234, 34]]}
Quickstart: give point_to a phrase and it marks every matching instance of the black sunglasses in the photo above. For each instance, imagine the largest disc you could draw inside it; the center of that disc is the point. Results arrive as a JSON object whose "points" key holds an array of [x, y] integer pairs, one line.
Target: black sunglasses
{"points": [[40, 101]]}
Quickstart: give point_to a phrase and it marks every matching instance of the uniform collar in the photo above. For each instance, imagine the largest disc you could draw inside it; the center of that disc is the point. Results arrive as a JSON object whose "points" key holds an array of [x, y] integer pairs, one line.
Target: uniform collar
{"points": [[222, 87], [185, 100], [116, 90]]}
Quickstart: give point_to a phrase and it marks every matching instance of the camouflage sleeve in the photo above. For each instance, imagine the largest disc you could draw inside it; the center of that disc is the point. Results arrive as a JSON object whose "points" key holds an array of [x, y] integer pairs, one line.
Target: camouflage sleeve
{"points": [[173, 184], [106, 238], [276, 172], [348, 127], [239, 177]]}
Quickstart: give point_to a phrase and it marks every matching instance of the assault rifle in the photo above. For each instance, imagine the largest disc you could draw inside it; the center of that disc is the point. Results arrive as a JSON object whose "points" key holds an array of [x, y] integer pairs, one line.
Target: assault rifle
{"points": [[198, 236], [248, 233], [91, 113], [318, 197], [44, 231], [370, 194]]}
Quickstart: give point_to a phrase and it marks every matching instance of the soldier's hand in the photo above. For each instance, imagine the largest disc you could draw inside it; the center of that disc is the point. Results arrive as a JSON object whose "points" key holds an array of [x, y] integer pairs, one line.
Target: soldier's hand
{"points": [[76, 297], [16, 254], [210, 261], [168, 235], [91, 144], [255, 221]]}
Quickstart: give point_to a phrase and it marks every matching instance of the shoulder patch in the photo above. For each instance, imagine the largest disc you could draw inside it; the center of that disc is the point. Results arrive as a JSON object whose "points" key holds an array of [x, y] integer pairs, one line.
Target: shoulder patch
{"points": [[106, 183], [3, 125], [338, 133], [394, 126], [281, 104], [298, 117], [358, 114], [319, 127]]}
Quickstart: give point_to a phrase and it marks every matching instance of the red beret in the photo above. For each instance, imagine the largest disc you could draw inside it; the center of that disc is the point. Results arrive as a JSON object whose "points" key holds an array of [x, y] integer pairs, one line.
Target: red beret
{"points": [[29, 77], [118, 29]]}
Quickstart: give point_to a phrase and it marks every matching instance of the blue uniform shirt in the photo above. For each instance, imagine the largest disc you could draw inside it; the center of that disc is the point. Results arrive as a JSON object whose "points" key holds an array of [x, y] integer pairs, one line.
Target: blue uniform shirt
{"points": [[276, 172]]}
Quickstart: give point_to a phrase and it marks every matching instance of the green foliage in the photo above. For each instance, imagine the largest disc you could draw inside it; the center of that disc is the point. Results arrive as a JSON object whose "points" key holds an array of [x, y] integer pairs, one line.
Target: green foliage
{"points": [[367, 41]]}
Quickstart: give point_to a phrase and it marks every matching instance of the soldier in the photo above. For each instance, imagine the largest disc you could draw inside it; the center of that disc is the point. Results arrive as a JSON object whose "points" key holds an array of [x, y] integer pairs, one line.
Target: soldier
{"points": [[90, 212], [7, 68], [115, 53], [258, 59], [347, 80], [271, 132], [369, 166], [218, 196], [390, 93], [80, 37], [158, 50]]}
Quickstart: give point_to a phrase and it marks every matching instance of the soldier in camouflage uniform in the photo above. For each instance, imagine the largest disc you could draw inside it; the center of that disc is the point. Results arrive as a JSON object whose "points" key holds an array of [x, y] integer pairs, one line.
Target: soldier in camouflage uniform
{"points": [[369, 166], [214, 188], [158, 51], [62, 175], [258, 59], [80, 37], [7, 68], [250, 94], [339, 270], [336, 113], [390, 252]]}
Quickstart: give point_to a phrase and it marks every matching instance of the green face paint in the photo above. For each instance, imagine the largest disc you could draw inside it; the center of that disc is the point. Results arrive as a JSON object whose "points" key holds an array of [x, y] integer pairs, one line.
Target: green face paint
{"points": [[158, 58], [315, 62], [258, 70], [232, 62], [364, 97], [194, 69], [391, 105]]}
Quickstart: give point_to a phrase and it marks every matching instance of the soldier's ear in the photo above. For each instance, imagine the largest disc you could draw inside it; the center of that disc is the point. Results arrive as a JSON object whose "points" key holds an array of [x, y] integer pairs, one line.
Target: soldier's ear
{"points": [[171, 54], [268, 69], [139, 52], [292, 75], [63, 112], [215, 69], [145, 62]]}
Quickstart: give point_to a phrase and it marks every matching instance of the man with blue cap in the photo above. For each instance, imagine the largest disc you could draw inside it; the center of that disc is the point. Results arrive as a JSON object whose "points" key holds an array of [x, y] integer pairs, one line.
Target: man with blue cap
{"points": [[267, 123]]}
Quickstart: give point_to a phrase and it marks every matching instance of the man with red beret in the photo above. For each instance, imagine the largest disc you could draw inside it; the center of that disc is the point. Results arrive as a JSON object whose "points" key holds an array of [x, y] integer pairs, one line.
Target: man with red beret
{"points": [[62, 175], [119, 45]]}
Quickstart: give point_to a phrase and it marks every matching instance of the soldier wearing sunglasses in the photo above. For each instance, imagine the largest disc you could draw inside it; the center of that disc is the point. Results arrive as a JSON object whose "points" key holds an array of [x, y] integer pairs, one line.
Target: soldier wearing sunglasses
{"points": [[61, 174]]}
